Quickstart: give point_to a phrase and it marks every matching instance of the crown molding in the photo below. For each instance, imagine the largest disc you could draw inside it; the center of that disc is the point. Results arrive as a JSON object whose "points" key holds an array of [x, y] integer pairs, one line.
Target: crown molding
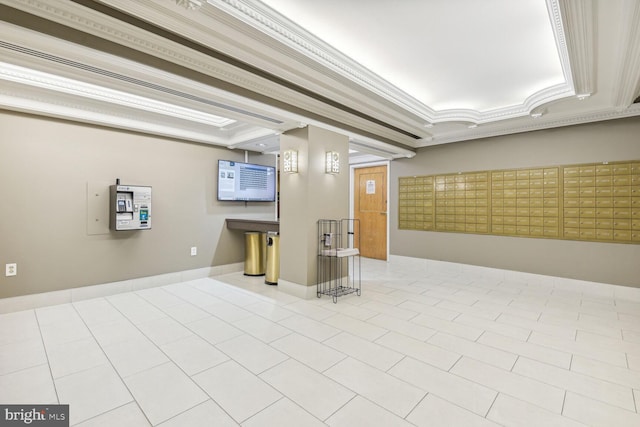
{"points": [[248, 31], [89, 21], [628, 81], [557, 26], [51, 104], [536, 100], [28, 90], [295, 65], [168, 15], [314, 51], [570, 120], [50, 82], [281, 30], [189, 4], [128, 77], [579, 21]]}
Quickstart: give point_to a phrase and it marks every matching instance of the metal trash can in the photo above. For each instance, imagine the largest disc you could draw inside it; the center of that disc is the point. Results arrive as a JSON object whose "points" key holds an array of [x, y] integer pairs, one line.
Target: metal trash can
{"points": [[273, 259], [255, 250]]}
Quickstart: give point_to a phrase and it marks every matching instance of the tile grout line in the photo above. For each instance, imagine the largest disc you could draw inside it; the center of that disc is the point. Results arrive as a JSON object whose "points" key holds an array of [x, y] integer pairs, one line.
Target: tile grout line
{"points": [[515, 362], [557, 310], [356, 395], [263, 409], [491, 406], [415, 406], [109, 360], [404, 356], [170, 360], [383, 373], [455, 363], [46, 353], [190, 377]]}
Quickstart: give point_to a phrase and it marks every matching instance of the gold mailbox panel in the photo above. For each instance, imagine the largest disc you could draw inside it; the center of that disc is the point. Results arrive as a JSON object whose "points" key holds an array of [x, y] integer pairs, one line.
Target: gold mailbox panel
{"points": [[593, 202], [461, 202]]}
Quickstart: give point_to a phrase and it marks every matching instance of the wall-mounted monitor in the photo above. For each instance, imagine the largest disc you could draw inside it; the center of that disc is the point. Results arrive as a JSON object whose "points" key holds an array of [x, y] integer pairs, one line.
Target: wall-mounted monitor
{"points": [[246, 182]]}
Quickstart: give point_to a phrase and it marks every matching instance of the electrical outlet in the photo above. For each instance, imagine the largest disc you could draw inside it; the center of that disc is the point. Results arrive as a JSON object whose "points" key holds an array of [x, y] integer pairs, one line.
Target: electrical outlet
{"points": [[11, 269], [194, 251]]}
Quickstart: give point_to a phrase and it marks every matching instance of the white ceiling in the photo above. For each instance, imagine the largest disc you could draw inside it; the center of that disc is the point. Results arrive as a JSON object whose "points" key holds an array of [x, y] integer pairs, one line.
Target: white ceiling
{"points": [[393, 76], [446, 54]]}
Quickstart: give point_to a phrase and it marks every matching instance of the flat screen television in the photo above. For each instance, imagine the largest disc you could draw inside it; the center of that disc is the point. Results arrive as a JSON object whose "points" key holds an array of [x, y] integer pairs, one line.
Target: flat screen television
{"points": [[246, 182]]}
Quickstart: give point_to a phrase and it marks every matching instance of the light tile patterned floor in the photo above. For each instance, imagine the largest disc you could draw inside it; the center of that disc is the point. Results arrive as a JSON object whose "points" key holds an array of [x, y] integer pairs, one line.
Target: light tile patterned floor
{"points": [[421, 346]]}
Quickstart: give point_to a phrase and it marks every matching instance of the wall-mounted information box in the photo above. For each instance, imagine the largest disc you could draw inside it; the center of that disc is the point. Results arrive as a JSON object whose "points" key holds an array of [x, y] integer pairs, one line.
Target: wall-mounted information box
{"points": [[130, 207]]}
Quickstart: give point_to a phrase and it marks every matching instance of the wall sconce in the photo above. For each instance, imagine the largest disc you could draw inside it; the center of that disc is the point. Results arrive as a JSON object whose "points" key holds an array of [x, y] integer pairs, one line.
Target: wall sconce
{"points": [[332, 163], [290, 161]]}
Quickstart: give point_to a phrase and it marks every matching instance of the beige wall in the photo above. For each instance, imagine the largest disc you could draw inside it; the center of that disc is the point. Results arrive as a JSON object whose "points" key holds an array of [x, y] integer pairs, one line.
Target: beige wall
{"points": [[308, 196], [45, 166], [596, 142]]}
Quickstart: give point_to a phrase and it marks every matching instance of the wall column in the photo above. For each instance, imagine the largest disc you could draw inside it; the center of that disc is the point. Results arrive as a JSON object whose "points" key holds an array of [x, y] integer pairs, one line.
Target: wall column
{"points": [[305, 197]]}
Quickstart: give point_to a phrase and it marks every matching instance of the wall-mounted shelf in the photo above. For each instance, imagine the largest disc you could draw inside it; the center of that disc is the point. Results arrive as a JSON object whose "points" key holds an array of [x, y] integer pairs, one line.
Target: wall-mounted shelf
{"points": [[252, 225]]}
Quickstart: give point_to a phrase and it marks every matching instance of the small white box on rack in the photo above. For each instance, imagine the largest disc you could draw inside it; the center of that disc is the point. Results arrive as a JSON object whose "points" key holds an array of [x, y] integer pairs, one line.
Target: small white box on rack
{"points": [[341, 252]]}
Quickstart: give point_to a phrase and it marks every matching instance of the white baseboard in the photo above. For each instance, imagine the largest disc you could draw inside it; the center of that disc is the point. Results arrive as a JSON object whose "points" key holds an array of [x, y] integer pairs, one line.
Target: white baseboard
{"points": [[586, 287], [27, 302], [297, 290]]}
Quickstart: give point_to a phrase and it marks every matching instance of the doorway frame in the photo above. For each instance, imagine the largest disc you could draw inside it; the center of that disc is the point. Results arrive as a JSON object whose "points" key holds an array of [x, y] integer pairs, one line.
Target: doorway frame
{"points": [[352, 168]]}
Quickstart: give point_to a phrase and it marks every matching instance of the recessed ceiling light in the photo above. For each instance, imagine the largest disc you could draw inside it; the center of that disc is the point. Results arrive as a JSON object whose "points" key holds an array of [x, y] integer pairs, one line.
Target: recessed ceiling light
{"points": [[536, 115], [583, 96], [262, 144]]}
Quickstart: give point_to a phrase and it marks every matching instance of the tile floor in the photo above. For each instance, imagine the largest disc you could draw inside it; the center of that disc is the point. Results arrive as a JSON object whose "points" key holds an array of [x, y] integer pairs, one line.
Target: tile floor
{"points": [[421, 346]]}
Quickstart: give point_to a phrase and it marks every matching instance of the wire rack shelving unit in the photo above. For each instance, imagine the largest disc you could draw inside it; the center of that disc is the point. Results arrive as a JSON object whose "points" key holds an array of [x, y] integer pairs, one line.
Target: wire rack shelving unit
{"points": [[339, 267]]}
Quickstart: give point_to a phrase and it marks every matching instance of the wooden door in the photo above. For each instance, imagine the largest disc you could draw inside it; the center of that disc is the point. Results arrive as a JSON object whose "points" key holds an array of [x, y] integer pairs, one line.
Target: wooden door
{"points": [[370, 207]]}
